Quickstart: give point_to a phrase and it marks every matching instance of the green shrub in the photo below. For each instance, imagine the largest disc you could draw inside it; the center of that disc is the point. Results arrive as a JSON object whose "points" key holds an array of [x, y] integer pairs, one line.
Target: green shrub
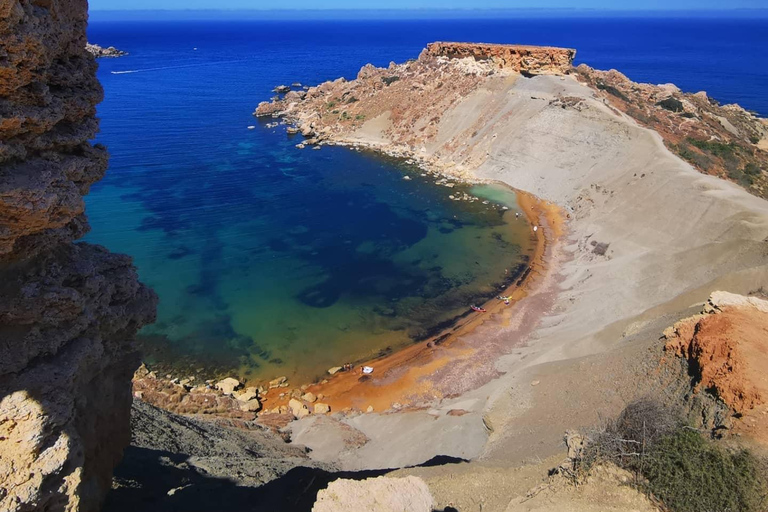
{"points": [[675, 463], [690, 474], [359, 117], [724, 150], [686, 153]]}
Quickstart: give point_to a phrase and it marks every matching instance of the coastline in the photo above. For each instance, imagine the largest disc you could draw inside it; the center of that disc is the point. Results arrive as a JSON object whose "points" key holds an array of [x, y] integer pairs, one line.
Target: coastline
{"points": [[408, 378]]}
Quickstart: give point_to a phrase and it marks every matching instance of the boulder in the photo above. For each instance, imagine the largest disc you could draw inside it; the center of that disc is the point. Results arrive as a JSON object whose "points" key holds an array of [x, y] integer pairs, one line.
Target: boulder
{"points": [[247, 396], [252, 405], [334, 370], [276, 383], [298, 409], [309, 397], [409, 494], [322, 408], [228, 385]]}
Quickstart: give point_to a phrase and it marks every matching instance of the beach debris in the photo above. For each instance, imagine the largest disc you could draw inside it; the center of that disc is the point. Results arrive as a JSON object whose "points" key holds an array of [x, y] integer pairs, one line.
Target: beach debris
{"points": [[367, 370], [535, 383], [334, 370], [535, 228], [228, 385], [477, 308], [278, 382], [322, 408], [309, 397]]}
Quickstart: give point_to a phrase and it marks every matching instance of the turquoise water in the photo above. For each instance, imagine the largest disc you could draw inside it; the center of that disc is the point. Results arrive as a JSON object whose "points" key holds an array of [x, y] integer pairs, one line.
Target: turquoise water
{"points": [[280, 261]]}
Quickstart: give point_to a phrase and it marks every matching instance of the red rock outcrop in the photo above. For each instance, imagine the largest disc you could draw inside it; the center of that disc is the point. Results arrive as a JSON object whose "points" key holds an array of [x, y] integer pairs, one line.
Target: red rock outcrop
{"points": [[727, 353], [68, 311], [534, 60]]}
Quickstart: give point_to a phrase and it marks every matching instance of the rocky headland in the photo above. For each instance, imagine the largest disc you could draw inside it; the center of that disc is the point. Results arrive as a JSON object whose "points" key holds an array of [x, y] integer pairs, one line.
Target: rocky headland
{"points": [[99, 51]]}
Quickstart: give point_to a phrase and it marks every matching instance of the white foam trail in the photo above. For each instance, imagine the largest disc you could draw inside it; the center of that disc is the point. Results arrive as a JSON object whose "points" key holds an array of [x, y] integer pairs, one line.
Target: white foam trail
{"points": [[176, 67]]}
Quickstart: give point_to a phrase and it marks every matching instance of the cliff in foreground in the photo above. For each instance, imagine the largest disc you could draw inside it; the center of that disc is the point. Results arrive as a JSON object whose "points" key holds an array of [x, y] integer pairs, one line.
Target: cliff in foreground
{"points": [[68, 311]]}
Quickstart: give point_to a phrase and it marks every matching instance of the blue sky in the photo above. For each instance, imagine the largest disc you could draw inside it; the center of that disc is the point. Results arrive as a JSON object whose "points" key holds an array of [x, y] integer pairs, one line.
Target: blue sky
{"points": [[430, 4]]}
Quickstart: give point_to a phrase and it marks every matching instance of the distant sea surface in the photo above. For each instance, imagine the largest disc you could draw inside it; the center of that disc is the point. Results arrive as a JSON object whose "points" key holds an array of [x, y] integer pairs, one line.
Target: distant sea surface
{"points": [[270, 260]]}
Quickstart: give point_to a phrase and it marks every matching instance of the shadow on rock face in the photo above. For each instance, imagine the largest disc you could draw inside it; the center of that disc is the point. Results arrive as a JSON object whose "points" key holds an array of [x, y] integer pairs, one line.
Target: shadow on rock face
{"points": [[256, 479]]}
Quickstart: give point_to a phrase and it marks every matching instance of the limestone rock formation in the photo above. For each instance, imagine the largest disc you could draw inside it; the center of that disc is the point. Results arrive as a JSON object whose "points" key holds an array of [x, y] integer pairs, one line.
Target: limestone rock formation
{"points": [[532, 60], [67, 311], [381, 494], [99, 51]]}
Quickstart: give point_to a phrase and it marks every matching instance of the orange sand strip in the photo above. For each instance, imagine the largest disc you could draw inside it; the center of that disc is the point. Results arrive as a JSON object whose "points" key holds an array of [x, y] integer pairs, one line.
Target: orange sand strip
{"points": [[404, 376]]}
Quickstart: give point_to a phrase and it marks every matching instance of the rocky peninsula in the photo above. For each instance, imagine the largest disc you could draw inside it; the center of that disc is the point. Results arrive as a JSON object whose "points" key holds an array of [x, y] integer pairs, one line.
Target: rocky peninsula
{"points": [[661, 192], [99, 51]]}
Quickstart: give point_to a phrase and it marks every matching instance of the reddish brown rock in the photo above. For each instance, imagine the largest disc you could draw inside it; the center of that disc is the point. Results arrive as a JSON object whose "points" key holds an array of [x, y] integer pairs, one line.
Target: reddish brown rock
{"points": [[534, 60]]}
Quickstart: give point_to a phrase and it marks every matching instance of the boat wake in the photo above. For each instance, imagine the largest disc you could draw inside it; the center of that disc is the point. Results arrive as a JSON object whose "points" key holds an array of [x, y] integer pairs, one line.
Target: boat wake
{"points": [[128, 71]]}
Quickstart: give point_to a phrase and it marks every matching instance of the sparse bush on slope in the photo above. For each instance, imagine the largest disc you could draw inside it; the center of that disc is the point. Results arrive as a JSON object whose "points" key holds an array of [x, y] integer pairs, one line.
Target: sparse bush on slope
{"points": [[675, 464]]}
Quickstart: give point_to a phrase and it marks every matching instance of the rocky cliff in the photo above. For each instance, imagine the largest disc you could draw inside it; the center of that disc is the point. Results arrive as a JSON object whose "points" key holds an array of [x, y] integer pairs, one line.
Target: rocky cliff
{"points": [[67, 310], [532, 60]]}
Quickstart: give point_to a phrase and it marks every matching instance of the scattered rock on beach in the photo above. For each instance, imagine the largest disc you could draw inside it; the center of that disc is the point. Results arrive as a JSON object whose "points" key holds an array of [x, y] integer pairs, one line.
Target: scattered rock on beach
{"points": [[322, 408], [228, 385], [309, 397], [334, 370], [252, 405], [298, 409], [276, 383]]}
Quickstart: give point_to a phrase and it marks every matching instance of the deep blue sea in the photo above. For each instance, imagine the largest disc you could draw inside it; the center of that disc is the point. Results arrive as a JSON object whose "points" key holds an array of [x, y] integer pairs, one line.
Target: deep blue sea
{"points": [[278, 261]]}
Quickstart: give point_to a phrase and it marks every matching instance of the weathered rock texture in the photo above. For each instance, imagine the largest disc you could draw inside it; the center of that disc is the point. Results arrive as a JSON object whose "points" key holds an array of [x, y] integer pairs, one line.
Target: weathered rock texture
{"points": [[727, 353], [381, 494], [532, 60], [67, 311], [99, 51]]}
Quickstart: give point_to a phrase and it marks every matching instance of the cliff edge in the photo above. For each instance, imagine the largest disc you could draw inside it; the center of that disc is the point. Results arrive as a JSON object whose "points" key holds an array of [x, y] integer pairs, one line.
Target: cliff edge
{"points": [[68, 311]]}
